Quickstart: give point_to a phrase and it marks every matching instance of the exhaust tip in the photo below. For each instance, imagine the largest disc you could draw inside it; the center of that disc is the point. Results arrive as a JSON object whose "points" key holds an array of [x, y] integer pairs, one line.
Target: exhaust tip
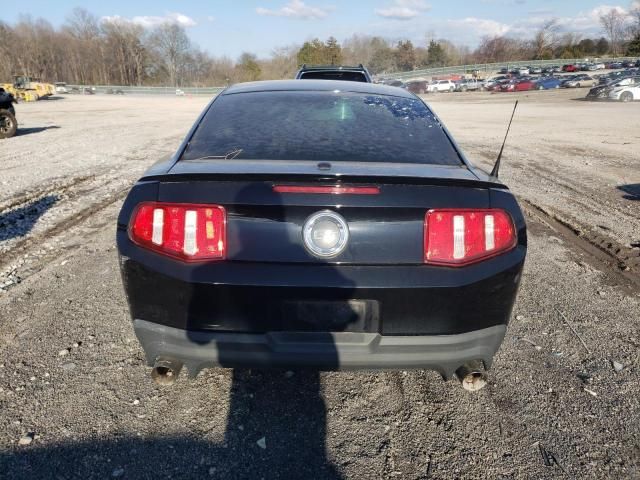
{"points": [[165, 372], [473, 376]]}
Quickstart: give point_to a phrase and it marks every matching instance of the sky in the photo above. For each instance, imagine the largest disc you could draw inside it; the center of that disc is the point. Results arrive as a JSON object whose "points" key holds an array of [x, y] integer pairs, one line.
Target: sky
{"points": [[258, 26]]}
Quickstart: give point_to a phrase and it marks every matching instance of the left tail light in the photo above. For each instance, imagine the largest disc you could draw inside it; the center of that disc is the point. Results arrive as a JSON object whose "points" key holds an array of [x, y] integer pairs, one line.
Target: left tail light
{"points": [[457, 237], [184, 231]]}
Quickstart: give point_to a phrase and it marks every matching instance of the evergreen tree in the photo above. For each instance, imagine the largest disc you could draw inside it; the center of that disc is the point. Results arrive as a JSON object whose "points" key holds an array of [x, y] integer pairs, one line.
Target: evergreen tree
{"points": [[436, 56], [633, 49]]}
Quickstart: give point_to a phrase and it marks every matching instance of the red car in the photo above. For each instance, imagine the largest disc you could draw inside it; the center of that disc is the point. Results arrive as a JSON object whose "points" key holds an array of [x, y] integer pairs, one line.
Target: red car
{"points": [[518, 86], [569, 68]]}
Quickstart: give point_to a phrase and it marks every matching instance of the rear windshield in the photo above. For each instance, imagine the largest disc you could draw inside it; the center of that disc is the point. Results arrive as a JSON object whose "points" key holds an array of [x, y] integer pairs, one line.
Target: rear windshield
{"points": [[321, 126], [348, 76]]}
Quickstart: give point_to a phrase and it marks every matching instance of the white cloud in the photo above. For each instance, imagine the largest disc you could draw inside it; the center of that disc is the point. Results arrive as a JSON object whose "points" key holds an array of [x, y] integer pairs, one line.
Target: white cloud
{"points": [[295, 9], [403, 9], [480, 26], [150, 21]]}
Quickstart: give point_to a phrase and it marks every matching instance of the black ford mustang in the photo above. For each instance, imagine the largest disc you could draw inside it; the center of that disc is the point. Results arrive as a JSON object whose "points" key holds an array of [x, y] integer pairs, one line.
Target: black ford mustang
{"points": [[321, 224]]}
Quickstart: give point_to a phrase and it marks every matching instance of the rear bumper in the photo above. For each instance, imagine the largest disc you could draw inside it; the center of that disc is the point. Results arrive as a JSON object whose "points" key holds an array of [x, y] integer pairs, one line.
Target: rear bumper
{"points": [[324, 351]]}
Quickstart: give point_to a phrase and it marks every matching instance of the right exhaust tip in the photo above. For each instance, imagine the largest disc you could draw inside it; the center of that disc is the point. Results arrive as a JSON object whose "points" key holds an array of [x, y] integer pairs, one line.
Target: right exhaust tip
{"points": [[472, 376], [165, 372]]}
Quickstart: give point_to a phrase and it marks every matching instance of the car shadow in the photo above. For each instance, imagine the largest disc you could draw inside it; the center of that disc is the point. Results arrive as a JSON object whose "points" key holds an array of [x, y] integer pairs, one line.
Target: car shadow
{"points": [[130, 457], [632, 191], [29, 130], [19, 221], [282, 408]]}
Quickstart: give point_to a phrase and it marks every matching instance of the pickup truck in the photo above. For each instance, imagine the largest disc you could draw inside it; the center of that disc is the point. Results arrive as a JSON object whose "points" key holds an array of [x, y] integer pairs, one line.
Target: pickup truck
{"points": [[469, 84]]}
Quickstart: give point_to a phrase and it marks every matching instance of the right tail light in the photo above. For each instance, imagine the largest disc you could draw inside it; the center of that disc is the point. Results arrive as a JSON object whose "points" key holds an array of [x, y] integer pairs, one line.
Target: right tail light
{"points": [[458, 237]]}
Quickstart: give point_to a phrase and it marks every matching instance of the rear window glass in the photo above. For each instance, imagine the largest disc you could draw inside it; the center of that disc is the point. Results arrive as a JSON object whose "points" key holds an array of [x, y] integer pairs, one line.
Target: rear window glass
{"points": [[321, 126], [348, 76]]}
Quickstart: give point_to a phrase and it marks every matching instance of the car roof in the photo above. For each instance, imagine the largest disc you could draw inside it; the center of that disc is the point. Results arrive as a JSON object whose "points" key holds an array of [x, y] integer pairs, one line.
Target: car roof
{"points": [[310, 68], [316, 85]]}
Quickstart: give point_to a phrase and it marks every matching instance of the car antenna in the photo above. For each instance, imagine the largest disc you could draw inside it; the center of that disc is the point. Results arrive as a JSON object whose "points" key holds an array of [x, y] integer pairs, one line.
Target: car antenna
{"points": [[496, 167]]}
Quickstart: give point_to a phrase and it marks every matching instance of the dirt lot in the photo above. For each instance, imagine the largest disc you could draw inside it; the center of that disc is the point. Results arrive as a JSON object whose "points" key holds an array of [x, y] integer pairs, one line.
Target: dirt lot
{"points": [[566, 382]]}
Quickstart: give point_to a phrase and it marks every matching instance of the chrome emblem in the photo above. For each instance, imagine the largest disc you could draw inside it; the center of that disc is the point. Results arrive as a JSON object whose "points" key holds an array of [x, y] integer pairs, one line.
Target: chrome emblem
{"points": [[325, 234]]}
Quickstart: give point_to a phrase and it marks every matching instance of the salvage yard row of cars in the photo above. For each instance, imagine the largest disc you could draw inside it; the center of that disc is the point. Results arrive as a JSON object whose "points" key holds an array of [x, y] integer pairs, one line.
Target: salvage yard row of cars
{"points": [[621, 85]]}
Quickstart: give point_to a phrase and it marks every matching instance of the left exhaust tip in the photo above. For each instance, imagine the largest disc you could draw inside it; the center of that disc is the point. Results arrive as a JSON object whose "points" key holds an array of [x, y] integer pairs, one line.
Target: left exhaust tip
{"points": [[473, 376], [165, 372]]}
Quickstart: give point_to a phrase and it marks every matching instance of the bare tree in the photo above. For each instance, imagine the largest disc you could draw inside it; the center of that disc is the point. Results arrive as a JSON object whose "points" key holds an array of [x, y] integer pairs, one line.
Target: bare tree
{"points": [[634, 26], [545, 40], [613, 23], [172, 43]]}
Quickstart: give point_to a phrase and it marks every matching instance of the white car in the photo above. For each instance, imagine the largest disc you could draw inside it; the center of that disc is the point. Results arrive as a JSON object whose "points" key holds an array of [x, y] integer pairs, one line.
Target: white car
{"points": [[523, 71], [627, 93], [441, 86], [600, 66], [61, 87]]}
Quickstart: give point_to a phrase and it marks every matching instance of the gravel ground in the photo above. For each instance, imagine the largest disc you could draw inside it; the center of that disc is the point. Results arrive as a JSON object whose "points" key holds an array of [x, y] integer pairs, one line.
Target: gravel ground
{"points": [[75, 391]]}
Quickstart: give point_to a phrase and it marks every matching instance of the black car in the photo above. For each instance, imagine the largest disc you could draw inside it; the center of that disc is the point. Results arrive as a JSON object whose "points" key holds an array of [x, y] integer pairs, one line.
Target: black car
{"points": [[322, 224], [8, 122], [334, 72]]}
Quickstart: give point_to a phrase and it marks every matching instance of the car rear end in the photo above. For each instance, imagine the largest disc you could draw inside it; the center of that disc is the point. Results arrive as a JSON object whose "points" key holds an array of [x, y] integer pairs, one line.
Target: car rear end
{"points": [[334, 72], [333, 229]]}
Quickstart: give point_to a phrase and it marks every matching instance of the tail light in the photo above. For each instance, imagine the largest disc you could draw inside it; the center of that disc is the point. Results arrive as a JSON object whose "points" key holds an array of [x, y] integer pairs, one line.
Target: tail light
{"points": [[184, 231], [460, 237]]}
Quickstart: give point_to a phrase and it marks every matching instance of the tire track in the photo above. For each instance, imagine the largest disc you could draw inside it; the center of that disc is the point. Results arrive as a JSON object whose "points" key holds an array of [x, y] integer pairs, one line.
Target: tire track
{"points": [[603, 253]]}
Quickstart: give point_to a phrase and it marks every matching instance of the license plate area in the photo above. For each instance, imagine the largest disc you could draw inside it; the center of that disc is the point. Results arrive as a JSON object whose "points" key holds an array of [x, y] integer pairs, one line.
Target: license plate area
{"points": [[332, 316]]}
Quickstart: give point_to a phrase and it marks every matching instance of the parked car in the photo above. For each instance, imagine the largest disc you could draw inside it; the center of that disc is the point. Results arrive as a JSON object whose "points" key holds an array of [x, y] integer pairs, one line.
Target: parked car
{"points": [[441, 86], [616, 65], [523, 71], [469, 84], [417, 86], [503, 71], [334, 72], [627, 93], [496, 86], [61, 87], [601, 92], [518, 86], [535, 70], [569, 68], [395, 83], [8, 122], [493, 80], [265, 240], [547, 83], [600, 66], [603, 80], [577, 81]]}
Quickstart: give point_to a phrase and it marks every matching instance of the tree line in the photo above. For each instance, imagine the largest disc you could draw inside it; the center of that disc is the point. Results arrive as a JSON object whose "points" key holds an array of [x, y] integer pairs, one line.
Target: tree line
{"points": [[90, 51]]}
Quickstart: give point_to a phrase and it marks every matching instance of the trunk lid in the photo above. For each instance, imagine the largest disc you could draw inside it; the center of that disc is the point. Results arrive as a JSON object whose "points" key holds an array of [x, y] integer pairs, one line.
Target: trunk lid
{"points": [[266, 226]]}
